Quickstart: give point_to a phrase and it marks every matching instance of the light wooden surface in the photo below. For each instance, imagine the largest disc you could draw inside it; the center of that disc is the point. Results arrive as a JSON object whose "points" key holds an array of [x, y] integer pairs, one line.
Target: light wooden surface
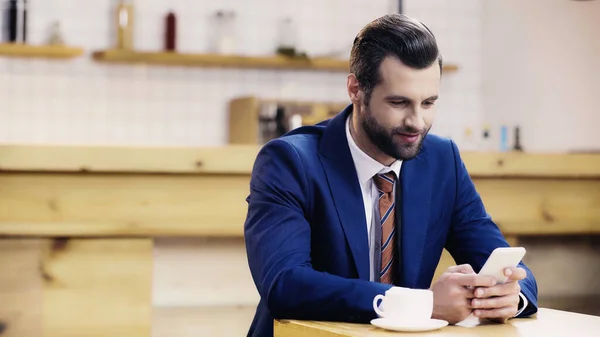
{"points": [[226, 61], [21, 287], [239, 159], [107, 192], [532, 165], [243, 121], [97, 288], [220, 61], [39, 51], [148, 205], [542, 207], [76, 287], [122, 205], [547, 323], [234, 159]]}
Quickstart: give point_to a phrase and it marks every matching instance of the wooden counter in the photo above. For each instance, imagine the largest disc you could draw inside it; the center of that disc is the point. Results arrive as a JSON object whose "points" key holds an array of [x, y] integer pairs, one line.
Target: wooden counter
{"points": [[147, 192], [238, 159], [78, 224], [546, 323]]}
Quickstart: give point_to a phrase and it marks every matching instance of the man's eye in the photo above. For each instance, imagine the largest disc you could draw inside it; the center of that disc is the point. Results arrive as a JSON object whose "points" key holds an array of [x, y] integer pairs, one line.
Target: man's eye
{"points": [[398, 102], [428, 103]]}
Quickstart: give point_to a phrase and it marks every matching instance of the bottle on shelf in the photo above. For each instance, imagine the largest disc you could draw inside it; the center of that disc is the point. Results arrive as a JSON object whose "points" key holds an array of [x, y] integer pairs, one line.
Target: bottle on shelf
{"points": [[468, 143], [517, 145], [15, 21], [10, 21], [171, 32], [503, 138], [23, 22], [486, 139], [125, 25]]}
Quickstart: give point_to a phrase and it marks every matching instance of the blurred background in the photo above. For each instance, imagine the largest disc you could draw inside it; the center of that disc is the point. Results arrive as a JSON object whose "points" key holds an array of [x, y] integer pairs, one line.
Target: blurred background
{"points": [[125, 126]]}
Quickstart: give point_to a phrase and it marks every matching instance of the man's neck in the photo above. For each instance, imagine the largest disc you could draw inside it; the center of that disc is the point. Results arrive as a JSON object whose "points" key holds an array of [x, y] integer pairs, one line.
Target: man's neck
{"points": [[364, 143]]}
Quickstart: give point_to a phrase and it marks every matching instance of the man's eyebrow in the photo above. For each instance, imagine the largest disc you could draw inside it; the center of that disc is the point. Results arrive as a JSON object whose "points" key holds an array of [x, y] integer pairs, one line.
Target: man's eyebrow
{"points": [[402, 98], [397, 98]]}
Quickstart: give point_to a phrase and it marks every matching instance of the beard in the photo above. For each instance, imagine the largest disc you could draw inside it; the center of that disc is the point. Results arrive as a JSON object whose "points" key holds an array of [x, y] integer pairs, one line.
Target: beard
{"points": [[388, 142]]}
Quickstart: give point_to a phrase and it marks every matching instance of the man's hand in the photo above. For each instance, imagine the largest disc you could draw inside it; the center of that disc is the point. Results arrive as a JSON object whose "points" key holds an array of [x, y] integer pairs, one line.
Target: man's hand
{"points": [[453, 293], [500, 302]]}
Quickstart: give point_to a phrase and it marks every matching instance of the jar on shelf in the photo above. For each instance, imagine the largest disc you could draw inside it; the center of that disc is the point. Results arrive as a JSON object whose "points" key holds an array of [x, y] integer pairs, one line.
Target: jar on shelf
{"points": [[55, 37], [224, 39], [287, 34]]}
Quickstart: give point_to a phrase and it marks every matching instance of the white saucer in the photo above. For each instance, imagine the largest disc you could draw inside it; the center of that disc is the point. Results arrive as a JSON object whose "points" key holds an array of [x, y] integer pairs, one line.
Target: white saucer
{"points": [[388, 324]]}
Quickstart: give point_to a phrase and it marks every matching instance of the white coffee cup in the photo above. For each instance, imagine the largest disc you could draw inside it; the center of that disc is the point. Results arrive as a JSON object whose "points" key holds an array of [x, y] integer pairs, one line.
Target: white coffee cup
{"points": [[405, 304]]}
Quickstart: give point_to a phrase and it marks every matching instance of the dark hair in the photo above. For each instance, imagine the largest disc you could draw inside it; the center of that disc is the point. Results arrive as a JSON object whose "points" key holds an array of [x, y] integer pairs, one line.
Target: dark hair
{"points": [[391, 35]]}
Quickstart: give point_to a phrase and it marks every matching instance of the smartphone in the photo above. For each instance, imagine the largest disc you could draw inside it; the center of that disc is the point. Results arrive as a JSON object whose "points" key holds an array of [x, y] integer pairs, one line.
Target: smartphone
{"points": [[500, 259]]}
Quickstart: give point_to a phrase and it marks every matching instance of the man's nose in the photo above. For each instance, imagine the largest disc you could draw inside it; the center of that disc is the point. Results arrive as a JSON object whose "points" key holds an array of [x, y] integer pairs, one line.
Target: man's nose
{"points": [[415, 121]]}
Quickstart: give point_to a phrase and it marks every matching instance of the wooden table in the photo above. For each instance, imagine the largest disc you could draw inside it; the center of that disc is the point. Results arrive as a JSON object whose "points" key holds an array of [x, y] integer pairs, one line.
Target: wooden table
{"points": [[547, 323]]}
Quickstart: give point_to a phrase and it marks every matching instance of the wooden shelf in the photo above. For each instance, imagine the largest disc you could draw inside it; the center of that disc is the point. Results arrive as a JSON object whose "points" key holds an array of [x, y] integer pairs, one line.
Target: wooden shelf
{"points": [[41, 51], [224, 61], [219, 61]]}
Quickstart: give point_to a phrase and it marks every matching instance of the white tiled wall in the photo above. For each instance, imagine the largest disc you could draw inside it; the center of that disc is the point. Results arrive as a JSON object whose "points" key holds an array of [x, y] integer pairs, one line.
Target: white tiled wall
{"points": [[542, 73], [457, 27], [82, 102]]}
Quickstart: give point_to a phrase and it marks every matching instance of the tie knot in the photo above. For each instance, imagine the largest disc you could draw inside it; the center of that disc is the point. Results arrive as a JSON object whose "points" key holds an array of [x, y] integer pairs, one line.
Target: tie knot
{"points": [[385, 182]]}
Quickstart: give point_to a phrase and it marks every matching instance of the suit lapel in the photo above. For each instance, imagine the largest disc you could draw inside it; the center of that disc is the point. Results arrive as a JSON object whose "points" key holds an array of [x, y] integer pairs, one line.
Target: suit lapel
{"points": [[413, 205], [344, 186], [415, 197]]}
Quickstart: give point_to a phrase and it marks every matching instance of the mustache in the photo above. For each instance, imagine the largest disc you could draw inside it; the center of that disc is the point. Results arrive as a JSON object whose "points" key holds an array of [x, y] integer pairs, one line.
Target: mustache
{"points": [[407, 130]]}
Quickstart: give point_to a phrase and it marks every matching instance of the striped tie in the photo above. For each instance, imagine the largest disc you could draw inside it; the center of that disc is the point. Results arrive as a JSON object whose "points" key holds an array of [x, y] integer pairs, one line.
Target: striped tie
{"points": [[385, 185]]}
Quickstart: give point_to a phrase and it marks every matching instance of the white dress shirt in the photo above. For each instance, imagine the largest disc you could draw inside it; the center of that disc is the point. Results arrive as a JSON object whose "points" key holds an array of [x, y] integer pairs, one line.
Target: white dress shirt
{"points": [[366, 168]]}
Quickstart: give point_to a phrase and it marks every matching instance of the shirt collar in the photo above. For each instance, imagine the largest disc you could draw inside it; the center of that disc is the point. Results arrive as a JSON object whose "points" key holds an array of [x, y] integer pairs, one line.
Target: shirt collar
{"points": [[367, 167]]}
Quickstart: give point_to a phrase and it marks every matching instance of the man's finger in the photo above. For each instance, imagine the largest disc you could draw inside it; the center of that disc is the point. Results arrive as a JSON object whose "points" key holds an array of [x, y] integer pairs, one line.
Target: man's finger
{"points": [[467, 292], [498, 290], [515, 274], [495, 302], [505, 312], [463, 269], [475, 280]]}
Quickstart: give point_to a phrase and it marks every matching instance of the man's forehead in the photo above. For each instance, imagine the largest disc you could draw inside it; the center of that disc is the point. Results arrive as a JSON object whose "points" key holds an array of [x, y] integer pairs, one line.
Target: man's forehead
{"points": [[393, 68], [394, 73]]}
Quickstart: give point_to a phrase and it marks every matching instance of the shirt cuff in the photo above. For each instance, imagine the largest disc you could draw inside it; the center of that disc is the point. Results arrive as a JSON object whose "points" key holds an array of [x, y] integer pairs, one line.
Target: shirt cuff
{"points": [[525, 303]]}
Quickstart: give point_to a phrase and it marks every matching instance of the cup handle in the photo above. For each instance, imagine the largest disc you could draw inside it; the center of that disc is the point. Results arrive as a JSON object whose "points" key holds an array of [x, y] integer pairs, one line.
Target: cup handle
{"points": [[376, 306]]}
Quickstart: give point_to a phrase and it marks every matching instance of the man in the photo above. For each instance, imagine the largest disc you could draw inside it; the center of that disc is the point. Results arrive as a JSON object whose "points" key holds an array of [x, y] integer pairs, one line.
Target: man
{"points": [[342, 211]]}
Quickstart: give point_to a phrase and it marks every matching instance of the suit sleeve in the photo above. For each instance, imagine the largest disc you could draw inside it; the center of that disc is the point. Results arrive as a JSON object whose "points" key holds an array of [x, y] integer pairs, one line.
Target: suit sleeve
{"points": [[278, 243], [473, 235]]}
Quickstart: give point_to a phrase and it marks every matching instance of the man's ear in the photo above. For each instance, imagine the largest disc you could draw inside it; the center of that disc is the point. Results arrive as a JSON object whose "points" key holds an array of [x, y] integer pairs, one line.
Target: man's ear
{"points": [[354, 91]]}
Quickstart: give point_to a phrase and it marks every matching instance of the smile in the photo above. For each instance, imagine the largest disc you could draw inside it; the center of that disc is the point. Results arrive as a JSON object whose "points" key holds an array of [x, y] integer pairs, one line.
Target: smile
{"points": [[408, 138]]}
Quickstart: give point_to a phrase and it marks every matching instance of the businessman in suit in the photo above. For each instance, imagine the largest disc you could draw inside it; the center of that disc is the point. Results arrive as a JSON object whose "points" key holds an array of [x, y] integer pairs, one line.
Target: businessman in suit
{"points": [[342, 211]]}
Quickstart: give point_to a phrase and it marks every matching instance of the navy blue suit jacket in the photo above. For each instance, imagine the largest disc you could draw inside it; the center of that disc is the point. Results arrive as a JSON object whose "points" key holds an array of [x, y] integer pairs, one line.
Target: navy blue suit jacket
{"points": [[306, 235]]}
